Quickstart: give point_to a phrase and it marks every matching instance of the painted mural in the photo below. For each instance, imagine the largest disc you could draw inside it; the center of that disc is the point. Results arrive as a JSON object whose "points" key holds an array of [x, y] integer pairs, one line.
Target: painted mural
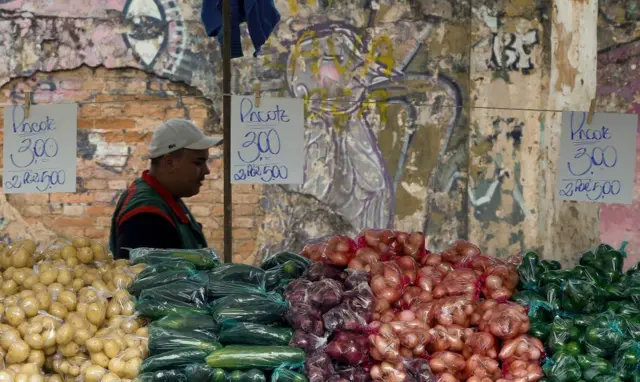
{"points": [[391, 138]]}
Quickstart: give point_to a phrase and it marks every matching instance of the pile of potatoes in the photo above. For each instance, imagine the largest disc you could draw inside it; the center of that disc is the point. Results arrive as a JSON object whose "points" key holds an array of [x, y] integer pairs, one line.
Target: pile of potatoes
{"points": [[66, 315]]}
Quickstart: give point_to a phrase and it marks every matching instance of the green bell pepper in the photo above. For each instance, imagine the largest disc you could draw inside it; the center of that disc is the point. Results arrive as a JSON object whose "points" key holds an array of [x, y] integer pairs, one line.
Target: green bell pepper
{"points": [[604, 335], [552, 293], [539, 329], [626, 361], [581, 296], [530, 270], [539, 308], [562, 368], [593, 367], [556, 277], [550, 265], [563, 330]]}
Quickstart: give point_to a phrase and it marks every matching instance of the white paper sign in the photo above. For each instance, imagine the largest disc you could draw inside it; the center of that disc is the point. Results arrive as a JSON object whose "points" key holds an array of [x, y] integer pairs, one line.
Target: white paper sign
{"points": [[40, 151], [597, 161], [267, 143]]}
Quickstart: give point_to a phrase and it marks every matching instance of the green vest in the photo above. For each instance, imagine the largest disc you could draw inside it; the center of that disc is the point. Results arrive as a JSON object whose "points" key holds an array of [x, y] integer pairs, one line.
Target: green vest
{"points": [[142, 197]]}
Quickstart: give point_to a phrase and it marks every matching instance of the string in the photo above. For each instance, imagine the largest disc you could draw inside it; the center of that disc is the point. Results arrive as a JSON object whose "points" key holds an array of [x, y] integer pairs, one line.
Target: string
{"points": [[333, 100]]}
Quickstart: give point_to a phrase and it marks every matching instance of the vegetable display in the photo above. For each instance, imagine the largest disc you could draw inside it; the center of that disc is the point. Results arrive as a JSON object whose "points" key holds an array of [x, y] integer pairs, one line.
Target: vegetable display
{"points": [[220, 322], [587, 317], [66, 315], [423, 316]]}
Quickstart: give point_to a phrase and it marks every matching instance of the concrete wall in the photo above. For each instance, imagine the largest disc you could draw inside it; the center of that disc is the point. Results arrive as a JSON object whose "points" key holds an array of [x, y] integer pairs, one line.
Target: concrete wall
{"points": [[419, 160]]}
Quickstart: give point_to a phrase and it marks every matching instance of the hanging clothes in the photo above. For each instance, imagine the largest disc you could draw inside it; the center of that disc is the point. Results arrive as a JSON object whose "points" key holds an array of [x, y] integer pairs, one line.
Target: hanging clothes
{"points": [[261, 17]]}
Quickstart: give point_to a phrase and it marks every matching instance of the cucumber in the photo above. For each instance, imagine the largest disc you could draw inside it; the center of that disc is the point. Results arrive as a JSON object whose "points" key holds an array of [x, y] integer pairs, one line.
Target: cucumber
{"points": [[174, 265], [176, 359], [260, 309], [162, 340], [246, 333], [188, 322], [255, 357], [200, 258]]}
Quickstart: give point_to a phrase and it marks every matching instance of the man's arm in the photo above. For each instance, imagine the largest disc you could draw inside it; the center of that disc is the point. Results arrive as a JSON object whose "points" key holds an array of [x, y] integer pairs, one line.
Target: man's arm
{"points": [[146, 230]]}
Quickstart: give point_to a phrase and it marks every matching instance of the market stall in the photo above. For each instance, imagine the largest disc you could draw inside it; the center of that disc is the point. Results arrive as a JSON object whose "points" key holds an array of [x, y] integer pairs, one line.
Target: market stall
{"points": [[378, 307]]}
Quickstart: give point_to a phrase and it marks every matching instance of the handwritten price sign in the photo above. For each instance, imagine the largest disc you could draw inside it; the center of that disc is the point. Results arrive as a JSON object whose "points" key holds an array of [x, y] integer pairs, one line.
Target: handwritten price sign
{"points": [[40, 151], [597, 161], [267, 143]]}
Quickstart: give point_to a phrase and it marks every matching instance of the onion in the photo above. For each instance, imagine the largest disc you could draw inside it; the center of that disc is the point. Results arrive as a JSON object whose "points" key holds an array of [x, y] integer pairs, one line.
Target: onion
{"points": [[406, 315]]}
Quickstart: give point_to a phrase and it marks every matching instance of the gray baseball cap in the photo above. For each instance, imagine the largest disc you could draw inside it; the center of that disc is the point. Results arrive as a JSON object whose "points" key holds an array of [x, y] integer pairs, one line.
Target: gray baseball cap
{"points": [[176, 134]]}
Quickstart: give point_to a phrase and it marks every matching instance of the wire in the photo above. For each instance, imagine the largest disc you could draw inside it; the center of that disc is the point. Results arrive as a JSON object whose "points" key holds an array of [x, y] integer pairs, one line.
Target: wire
{"points": [[333, 100]]}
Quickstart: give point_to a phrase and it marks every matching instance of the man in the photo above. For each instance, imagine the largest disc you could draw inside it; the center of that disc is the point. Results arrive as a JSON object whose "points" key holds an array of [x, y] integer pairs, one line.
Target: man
{"points": [[151, 212]]}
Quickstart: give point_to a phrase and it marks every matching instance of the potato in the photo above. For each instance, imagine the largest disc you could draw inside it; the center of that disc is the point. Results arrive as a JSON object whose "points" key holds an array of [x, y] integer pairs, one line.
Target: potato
{"points": [[96, 313], [18, 352], [64, 277], [72, 262], [58, 310], [110, 377], [128, 308], [113, 309], [35, 341], [130, 353], [9, 287], [36, 357], [112, 348], [81, 336], [117, 366], [98, 252], [132, 368], [100, 359], [69, 350], [30, 306], [55, 289], [68, 299], [80, 242], [20, 258], [68, 252], [9, 336], [14, 316], [85, 255], [49, 276], [6, 376], [142, 332], [130, 326], [44, 300], [64, 334], [94, 345], [94, 373], [77, 284], [29, 246]]}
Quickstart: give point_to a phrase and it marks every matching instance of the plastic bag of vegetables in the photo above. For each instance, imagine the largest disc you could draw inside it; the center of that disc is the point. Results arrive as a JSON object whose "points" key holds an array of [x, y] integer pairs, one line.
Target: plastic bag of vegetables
{"points": [[562, 367], [253, 375], [200, 258], [355, 310], [199, 372], [525, 348], [319, 271], [626, 360], [241, 273], [188, 322], [604, 334], [168, 266], [163, 278], [319, 367], [163, 340], [181, 297], [286, 375], [581, 296], [246, 333], [563, 331], [260, 309], [219, 289], [243, 357], [529, 271], [176, 359], [307, 341], [346, 348], [606, 260], [518, 370], [593, 367], [302, 263], [162, 376], [282, 274]]}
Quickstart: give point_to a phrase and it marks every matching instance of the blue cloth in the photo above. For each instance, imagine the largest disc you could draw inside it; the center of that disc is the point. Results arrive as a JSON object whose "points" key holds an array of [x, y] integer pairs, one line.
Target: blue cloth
{"points": [[261, 17]]}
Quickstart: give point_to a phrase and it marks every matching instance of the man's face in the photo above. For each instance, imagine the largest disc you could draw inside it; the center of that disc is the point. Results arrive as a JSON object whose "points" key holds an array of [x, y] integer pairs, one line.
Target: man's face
{"points": [[188, 170]]}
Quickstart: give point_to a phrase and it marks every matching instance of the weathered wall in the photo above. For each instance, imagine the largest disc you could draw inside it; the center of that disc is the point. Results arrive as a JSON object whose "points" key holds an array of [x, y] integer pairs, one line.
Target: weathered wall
{"points": [[391, 139]]}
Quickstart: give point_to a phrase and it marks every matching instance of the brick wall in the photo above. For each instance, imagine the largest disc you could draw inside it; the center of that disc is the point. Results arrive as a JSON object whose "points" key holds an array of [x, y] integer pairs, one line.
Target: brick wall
{"points": [[118, 112]]}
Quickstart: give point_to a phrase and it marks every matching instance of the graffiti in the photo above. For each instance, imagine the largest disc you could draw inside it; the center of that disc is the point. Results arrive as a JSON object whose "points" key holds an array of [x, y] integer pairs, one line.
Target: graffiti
{"points": [[493, 170], [348, 82], [512, 51], [155, 27]]}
